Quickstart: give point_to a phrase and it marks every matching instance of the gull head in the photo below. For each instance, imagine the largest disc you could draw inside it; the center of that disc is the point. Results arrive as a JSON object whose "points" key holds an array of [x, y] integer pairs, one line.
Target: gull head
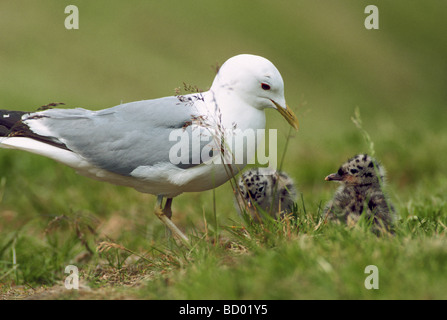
{"points": [[256, 81]]}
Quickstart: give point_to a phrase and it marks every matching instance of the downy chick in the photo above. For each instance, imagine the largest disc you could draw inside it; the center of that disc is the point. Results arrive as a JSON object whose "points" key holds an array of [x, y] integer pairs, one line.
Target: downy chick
{"points": [[265, 190], [362, 181]]}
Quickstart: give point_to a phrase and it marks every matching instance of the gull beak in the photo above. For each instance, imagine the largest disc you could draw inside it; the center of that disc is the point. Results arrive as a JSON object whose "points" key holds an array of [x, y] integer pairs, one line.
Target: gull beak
{"points": [[333, 177], [288, 114]]}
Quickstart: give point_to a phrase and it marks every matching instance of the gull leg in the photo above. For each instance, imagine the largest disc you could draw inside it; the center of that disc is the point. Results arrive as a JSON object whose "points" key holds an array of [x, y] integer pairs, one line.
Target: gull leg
{"points": [[168, 213], [164, 214], [167, 209]]}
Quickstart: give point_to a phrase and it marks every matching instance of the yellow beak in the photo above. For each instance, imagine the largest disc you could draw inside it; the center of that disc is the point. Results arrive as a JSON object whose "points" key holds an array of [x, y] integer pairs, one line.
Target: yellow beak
{"points": [[288, 114]]}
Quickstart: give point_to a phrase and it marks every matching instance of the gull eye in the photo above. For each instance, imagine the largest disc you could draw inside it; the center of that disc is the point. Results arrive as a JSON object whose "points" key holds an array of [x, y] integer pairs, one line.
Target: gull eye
{"points": [[265, 86]]}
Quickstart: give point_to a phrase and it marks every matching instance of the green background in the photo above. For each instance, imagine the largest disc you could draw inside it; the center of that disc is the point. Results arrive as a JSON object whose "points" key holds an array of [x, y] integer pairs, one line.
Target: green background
{"points": [[331, 64]]}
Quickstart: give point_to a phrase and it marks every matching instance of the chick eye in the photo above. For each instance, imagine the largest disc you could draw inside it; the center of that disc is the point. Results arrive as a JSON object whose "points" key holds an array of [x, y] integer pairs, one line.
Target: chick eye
{"points": [[265, 86]]}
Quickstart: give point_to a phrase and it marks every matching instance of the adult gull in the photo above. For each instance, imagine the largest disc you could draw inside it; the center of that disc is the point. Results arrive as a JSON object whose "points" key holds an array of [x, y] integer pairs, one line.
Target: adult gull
{"points": [[149, 145]]}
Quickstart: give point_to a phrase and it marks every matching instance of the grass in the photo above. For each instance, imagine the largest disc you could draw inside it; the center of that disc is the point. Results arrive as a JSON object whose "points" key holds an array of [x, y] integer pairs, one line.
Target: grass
{"points": [[50, 217]]}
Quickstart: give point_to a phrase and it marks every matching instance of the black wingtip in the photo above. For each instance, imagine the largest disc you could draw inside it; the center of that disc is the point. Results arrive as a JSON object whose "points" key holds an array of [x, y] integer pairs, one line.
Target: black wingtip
{"points": [[8, 119], [11, 125]]}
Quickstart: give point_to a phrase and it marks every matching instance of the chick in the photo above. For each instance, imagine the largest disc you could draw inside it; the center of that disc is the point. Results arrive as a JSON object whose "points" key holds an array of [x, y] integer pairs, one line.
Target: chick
{"points": [[362, 180], [265, 190]]}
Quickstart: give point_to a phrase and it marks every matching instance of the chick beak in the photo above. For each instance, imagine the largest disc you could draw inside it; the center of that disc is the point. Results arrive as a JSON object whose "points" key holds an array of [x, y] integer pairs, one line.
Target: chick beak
{"points": [[334, 177], [288, 114]]}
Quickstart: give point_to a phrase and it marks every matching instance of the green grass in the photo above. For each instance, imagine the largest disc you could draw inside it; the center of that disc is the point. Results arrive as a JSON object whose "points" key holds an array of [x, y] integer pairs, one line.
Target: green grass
{"points": [[50, 217]]}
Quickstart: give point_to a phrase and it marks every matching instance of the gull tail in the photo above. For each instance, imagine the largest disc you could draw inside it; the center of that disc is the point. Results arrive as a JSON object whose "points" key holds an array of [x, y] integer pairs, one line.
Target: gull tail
{"points": [[16, 134]]}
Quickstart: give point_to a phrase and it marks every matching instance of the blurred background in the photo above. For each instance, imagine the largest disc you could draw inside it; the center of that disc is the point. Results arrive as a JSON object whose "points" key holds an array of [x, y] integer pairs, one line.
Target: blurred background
{"points": [[331, 64]]}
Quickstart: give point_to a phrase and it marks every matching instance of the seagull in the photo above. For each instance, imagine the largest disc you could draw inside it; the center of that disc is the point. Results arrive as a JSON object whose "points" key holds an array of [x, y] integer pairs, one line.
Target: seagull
{"points": [[362, 181], [270, 190], [149, 145]]}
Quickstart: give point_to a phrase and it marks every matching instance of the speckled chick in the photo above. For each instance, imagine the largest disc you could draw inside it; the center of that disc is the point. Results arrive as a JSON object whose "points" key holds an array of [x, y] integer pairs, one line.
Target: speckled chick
{"points": [[265, 190], [362, 180]]}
